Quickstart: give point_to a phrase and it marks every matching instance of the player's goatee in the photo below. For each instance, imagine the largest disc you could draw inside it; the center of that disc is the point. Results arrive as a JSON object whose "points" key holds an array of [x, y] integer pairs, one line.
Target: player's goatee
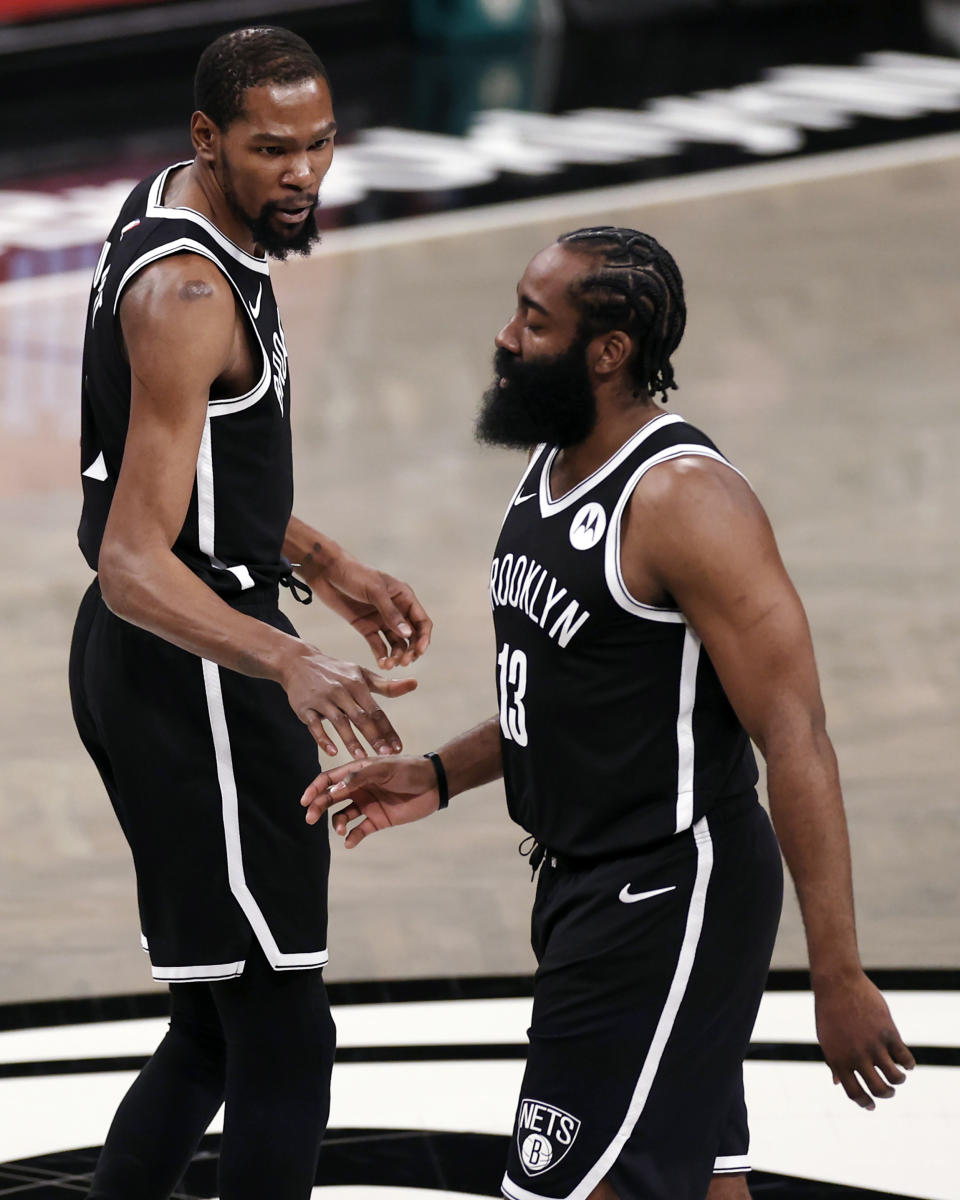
{"points": [[540, 400]]}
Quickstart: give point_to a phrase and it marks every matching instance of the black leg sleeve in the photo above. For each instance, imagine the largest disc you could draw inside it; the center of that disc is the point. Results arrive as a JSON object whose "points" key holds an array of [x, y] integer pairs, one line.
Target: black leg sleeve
{"points": [[280, 1044], [165, 1113]]}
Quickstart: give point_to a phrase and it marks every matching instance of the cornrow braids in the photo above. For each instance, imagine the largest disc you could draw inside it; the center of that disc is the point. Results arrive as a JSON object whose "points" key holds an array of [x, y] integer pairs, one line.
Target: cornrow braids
{"points": [[247, 58], [637, 288]]}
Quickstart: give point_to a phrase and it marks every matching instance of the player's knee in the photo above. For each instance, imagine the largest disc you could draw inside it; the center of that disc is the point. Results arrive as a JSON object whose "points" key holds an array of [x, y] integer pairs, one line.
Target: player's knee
{"points": [[604, 1191], [728, 1187]]}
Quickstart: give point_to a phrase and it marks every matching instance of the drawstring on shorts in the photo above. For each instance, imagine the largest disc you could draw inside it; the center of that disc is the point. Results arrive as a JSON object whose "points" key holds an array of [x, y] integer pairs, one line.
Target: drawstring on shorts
{"points": [[535, 852], [302, 592]]}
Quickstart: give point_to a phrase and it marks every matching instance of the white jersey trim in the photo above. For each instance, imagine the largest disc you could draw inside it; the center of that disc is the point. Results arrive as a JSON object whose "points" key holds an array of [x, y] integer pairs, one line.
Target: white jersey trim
{"points": [[686, 750], [612, 550], [231, 830], [229, 404], [668, 1016], [206, 509], [731, 1164], [157, 209], [202, 974], [548, 506]]}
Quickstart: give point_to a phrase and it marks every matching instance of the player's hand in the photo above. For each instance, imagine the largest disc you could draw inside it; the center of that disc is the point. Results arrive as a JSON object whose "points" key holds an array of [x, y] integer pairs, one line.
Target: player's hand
{"points": [[384, 611], [383, 791], [324, 689], [859, 1039]]}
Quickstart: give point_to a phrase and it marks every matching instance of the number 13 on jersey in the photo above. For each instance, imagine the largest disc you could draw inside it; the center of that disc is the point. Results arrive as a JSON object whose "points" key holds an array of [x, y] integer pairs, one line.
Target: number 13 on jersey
{"points": [[513, 687]]}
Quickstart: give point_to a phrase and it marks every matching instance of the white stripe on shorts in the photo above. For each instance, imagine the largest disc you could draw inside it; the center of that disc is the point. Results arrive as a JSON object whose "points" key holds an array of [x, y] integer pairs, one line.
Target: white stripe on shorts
{"points": [[651, 1064]]}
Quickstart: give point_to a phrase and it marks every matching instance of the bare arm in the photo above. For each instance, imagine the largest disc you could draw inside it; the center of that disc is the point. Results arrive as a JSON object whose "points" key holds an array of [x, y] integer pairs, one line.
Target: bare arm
{"points": [[383, 610], [696, 532], [395, 791], [179, 324]]}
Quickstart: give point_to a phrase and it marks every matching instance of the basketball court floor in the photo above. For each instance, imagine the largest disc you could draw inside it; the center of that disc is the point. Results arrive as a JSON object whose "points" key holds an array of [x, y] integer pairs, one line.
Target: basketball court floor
{"points": [[822, 354]]}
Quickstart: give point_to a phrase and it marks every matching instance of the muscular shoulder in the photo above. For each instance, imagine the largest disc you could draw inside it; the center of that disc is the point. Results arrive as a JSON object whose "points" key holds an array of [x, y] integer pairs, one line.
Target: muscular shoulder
{"points": [[184, 298], [693, 516], [186, 286], [693, 490]]}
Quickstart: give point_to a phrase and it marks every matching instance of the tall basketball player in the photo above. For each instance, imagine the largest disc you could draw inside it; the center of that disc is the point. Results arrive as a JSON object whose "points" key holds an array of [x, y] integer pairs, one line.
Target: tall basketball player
{"points": [[198, 703], [646, 631]]}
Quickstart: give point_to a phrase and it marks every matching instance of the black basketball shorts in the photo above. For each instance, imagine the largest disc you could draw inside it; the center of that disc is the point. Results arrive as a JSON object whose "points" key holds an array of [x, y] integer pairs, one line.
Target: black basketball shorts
{"points": [[205, 768], [651, 969]]}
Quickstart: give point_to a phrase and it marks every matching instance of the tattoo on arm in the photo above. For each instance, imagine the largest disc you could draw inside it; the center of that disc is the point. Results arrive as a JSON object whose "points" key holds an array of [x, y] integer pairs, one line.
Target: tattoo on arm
{"points": [[195, 289]]}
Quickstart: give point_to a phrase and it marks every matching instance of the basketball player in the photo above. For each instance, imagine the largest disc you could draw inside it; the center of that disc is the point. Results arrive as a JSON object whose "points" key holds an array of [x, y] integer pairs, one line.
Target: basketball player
{"points": [[199, 705], [646, 630]]}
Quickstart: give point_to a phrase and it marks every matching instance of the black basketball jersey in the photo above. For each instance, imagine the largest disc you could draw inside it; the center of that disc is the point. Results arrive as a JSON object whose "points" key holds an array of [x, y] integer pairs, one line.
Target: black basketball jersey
{"points": [[243, 492], [615, 729]]}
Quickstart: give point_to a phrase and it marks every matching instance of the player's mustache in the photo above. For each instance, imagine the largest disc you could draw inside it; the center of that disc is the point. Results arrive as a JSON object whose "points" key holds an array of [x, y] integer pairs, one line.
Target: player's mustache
{"points": [[306, 201], [505, 363]]}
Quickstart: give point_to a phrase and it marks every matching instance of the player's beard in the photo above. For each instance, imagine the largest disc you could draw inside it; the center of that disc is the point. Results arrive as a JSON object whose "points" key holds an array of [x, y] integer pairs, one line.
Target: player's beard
{"points": [[276, 242], [543, 400]]}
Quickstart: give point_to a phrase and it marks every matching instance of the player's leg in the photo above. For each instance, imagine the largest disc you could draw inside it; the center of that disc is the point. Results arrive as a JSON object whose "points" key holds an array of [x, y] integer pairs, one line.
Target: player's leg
{"points": [[722, 1187], [166, 1112], [642, 1014], [280, 1043], [733, 1158], [728, 1187]]}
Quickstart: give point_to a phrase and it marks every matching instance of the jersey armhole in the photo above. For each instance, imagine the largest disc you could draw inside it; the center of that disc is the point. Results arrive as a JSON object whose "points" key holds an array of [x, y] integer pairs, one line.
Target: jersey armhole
{"points": [[226, 404], [612, 549]]}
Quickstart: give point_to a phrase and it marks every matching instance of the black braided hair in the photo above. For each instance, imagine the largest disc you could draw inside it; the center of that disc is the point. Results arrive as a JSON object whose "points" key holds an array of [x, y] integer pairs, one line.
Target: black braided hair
{"points": [[247, 58], [637, 288]]}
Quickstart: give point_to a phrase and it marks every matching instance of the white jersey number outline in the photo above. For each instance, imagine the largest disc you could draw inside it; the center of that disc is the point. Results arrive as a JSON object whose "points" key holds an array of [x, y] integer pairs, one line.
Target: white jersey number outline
{"points": [[513, 674]]}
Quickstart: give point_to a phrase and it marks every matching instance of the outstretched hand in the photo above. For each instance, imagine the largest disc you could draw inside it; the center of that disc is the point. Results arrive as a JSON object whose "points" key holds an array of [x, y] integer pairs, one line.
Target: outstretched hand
{"points": [[859, 1040], [382, 791], [383, 610]]}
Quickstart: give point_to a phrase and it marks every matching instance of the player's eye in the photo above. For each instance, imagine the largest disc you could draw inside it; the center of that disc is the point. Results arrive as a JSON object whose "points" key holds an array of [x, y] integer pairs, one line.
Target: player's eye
{"points": [[270, 151], [321, 144]]}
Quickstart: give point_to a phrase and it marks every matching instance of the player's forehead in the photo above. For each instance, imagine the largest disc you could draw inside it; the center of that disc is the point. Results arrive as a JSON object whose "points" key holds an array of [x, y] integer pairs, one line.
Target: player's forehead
{"points": [[549, 275], [303, 105]]}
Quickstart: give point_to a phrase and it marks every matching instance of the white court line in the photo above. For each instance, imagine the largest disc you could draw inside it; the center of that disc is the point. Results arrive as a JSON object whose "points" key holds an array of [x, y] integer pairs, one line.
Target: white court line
{"points": [[590, 203], [800, 1124], [923, 1018], [367, 1191]]}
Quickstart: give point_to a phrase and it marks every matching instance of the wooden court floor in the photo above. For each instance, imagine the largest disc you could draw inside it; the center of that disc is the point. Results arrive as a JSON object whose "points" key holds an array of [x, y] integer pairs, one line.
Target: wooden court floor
{"points": [[822, 354]]}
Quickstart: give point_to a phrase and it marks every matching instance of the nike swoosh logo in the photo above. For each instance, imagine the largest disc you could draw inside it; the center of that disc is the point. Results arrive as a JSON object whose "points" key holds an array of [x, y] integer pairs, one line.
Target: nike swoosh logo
{"points": [[628, 897], [520, 499], [255, 308]]}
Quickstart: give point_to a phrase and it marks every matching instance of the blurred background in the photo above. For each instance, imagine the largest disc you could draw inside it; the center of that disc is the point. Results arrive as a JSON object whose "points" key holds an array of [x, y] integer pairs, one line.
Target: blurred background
{"points": [[801, 159], [821, 353]]}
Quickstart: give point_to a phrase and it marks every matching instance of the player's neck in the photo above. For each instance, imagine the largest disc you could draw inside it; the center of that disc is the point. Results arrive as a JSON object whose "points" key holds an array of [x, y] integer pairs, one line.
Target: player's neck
{"points": [[616, 424], [196, 187]]}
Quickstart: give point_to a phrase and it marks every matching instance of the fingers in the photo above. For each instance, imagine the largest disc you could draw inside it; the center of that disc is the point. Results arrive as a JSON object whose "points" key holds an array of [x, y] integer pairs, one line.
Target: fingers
{"points": [[405, 616], [339, 784], [850, 1083], [390, 687], [423, 626], [875, 1078], [313, 721], [351, 709], [901, 1053]]}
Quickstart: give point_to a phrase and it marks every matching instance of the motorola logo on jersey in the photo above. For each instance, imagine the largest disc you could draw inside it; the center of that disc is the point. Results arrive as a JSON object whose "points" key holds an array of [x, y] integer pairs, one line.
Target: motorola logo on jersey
{"points": [[587, 526], [544, 1135]]}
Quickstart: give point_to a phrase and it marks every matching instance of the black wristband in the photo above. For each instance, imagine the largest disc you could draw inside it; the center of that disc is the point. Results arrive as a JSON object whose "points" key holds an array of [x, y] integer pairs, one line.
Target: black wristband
{"points": [[442, 786]]}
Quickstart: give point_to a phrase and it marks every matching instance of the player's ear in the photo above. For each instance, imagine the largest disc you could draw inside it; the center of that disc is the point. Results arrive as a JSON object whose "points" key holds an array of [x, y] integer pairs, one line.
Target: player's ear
{"points": [[613, 352], [204, 135]]}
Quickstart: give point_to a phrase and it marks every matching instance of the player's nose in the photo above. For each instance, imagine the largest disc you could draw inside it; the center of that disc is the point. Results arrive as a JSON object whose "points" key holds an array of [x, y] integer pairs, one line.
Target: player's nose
{"points": [[300, 173], [507, 338]]}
